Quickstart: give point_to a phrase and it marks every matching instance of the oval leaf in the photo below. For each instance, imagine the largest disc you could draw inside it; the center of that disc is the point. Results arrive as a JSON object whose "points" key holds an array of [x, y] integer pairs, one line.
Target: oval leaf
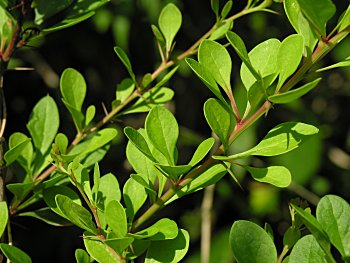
{"points": [[201, 151], [14, 254], [161, 230], [307, 250], [251, 244], [116, 218], [276, 175], [134, 196], [73, 88], [139, 141], [100, 251], [333, 213]]}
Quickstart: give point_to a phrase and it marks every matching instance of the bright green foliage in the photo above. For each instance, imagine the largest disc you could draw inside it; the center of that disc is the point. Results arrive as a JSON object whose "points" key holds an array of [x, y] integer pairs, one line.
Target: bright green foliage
{"points": [[43, 124], [89, 115], [169, 251], [124, 58], [106, 190], [345, 63], [333, 213], [173, 171], [134, 196], [275, 175], [3, 216], [81, 256], [61, 141], [345, 20], [161, 230], [220, 119], [75, 213], [14, 254], [251, 244], [116, 218], [294, 94], [21, 150], [98, 250], [215, 6], [201, 151], [118, 244], [307, 250], [289, 57], [163, 131], [221, 31], [170, 20], [216, 59], [226, 9], [124, 89], [281, 139]]}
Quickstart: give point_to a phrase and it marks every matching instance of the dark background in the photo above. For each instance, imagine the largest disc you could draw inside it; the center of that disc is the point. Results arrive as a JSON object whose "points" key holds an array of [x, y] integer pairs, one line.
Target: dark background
{"points": [[321, 166]]}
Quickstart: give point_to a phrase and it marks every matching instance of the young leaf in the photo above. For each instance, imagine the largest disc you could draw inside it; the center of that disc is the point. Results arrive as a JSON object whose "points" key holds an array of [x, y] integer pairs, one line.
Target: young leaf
{"points": [[124, 58], [150, 99], [3, 216], [226, 9], [20, 190], [16, 152], [116, 218], [263, 59], [166, 78], [172, 250], [43, 124], [73, 88], [345, 63], [81, 256], [281, 139], [289, 57], [14, 254], [139, 142], [221, 30], [219, 118], [159, 36], [333, 213], [46, 215], [217, 60], [201, 151], [318, 12], [345, 20], [75, 213], [90, 114], [119, 244], [215, 7], [169, 21], [163, 131], [294, 94], [307, 250], [174, 171], [276, 175], [205, 76], [251, 244], [108, 190], [97, 176], [162, 230], [99, 251], [82, 177], [61, 141], [143, 180], [124, 90], [134, 196]]}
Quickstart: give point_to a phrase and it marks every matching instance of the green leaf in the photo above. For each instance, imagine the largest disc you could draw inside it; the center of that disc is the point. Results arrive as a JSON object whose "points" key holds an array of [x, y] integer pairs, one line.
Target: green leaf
{"points": [[3, 216], [108, 190], [226, 9], [289, 56], [99, 251], [47, 216], [169, 22], [90, 114], [116, 218], [276, 175], [68, 22], [124, 89], [333, 213], [81, 256], [97, 176], [125, 60], [307, 250], [318, 12], [301, 24], [294, 94], [221, 30], [150, 99], [201, 151], [161, 230], [50, 193], [217, 60], [139, 142], [345, 63], [220, 119], [315, 228], [14, 254], [166, 78], [251, 244], [159, 36], [73, 88], [345, 20], [291, 236], [119, 244], [163, 131], [75, 213], [205, 76], [43, 123], [82, 177], [169, 251], [19, 150], [20, 190], [143, 180], [281, 139], [174, 171], [263, 59], [43, 11], [134, 196], [61, 141]]}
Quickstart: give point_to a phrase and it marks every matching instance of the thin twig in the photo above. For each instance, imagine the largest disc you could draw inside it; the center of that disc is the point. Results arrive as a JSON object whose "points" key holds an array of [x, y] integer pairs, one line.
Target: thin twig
{"points": [[206, 212]]}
